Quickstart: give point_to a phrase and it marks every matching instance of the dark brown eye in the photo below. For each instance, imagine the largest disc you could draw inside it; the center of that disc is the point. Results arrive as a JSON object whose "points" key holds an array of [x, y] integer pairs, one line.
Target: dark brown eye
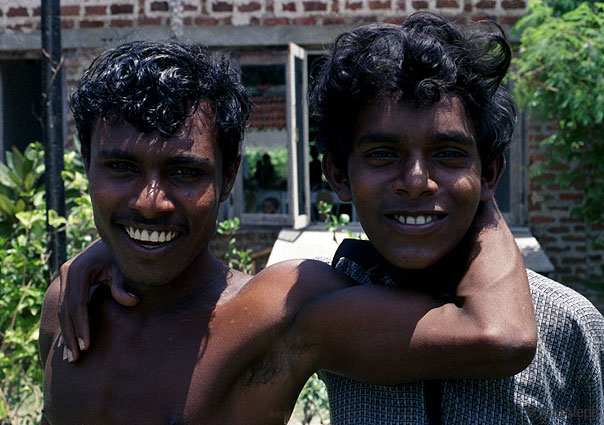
{"points": [[380, 153], [186, 172], [122, 166], [450, 154]]}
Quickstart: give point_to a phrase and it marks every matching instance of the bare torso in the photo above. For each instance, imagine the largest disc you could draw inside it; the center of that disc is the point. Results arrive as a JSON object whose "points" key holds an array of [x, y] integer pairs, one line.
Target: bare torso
{"points": [[222, 359]]}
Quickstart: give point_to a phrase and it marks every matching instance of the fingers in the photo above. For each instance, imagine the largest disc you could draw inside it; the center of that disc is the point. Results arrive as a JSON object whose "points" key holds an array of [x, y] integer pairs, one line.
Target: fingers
{"points": [[73, 312], [119, 291], [68, 339], [80, 278], [92, 266]]}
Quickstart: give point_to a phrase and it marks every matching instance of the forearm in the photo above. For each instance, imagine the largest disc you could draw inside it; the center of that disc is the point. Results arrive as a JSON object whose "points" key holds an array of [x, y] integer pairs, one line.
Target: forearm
{"points": [[396, 335], [391, 336], [494, 295]]}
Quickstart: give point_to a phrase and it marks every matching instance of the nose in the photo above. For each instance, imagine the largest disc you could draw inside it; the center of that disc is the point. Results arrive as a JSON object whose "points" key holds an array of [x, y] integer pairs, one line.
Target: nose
{"points": [[151, 200], [415, 178]]}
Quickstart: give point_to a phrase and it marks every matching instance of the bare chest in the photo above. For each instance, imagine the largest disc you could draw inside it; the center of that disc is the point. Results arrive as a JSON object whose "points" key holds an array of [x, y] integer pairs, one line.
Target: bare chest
{"points": [[180, 372], [159, 382]]}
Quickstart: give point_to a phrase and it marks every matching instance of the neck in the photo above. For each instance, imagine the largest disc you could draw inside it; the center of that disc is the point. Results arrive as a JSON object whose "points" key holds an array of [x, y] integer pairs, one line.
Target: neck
{"points": [[203, 281], [440, 279]]}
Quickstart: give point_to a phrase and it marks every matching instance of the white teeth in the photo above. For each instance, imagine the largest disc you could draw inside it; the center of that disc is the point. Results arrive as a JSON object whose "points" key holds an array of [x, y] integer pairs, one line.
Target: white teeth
{"points": [[144, 235], [419, 220]]}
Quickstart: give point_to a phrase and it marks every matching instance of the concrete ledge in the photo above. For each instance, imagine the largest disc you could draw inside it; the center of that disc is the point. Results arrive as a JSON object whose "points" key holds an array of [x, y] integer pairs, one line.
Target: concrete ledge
{"points": [[534, 256], [212, 36]]}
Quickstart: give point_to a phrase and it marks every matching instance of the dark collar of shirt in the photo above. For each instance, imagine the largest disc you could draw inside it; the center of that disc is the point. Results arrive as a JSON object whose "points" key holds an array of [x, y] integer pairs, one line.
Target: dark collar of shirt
{"points": [[361, 261]]}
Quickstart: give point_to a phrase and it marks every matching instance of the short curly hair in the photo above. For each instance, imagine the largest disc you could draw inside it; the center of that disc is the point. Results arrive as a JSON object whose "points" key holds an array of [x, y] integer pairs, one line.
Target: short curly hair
{"points": [[421, 59], [156, 86]]}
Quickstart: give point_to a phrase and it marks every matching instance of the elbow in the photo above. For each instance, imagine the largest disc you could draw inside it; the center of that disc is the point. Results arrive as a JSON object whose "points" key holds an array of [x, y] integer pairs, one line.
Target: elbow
{"points": [[511, 351]]}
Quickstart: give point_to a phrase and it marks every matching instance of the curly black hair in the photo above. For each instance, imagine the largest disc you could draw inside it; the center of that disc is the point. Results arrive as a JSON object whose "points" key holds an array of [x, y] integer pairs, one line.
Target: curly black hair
{"points": [[422, 59], [156, 86]]}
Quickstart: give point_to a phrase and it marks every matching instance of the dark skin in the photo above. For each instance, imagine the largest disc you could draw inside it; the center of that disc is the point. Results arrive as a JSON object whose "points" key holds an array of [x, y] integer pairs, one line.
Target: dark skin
{"points": [[204, 346]]}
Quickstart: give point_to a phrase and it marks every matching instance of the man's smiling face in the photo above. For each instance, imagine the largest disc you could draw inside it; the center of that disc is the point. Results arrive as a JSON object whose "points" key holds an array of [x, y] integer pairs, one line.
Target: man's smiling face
{"points": [[155, 199], [414, 176]]}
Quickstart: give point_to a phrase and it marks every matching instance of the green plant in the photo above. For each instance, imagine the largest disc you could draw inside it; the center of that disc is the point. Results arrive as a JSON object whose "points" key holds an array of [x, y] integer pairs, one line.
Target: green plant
{"points": [[20, 184], [335, 223], [25, 273], [80, 219], [312, 405], [24, 278], [559, 78], [236, 258]]}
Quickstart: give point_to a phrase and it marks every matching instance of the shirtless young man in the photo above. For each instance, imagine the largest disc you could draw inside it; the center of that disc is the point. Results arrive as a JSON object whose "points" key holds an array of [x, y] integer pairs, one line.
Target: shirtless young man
{"points": [[160, 125]]}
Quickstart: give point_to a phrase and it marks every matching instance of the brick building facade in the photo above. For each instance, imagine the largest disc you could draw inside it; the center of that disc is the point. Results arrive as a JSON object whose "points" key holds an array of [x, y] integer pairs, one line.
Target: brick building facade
{"points": [[258, 32]]}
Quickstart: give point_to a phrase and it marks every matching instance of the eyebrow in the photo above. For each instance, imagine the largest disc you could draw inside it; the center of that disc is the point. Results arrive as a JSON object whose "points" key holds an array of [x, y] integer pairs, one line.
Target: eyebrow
{"points": [[182, 159], [372, 138], [190, 160], [457, 137], [115, 154]]}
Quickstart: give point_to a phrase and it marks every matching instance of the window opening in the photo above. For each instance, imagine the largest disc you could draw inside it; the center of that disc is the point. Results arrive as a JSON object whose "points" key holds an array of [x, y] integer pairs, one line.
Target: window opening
{"points": [[20, 94]]}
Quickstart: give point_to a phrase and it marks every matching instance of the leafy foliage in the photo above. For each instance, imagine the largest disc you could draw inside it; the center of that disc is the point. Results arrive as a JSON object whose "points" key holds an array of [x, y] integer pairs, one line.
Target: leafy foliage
{"points": [[238, 259], [312, 405], [559, 77], [335, 223], [25, 274], [19, 184]]}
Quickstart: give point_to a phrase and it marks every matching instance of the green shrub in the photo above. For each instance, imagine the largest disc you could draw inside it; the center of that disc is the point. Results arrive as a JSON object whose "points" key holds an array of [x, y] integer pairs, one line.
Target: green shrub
{"points": [[559, 78], [24, 270], [20, 184], [312, 405]]}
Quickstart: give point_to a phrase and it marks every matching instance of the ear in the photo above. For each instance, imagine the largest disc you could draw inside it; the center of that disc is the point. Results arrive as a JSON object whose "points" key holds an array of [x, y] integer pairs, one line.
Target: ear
{"points": [[338, 180], [490, 178], [228, 178]]}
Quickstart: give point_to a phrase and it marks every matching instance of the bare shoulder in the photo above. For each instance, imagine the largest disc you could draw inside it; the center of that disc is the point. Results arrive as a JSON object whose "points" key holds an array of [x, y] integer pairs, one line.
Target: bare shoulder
{"points": [[49, 321], [260, 321], [279, 292], [305, 276], [237, 279]]}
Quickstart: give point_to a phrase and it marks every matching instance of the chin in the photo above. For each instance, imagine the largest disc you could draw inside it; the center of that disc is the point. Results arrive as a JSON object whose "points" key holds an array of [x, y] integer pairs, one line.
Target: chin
{"points": [[411, 262], [146, 278]]}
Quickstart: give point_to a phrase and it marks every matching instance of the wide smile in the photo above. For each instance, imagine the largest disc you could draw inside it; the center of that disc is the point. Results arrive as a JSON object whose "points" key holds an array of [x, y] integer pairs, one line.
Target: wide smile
{"points": [[150, 236], [417, 222]]}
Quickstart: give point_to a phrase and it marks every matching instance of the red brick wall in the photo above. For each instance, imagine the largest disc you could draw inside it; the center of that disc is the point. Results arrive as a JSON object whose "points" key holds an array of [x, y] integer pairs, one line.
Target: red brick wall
{"points": [[23, 16], [568, 241]]}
